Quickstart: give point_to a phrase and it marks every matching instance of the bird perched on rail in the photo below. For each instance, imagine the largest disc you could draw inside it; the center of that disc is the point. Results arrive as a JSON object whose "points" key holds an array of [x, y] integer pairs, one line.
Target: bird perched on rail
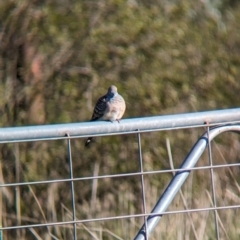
{"points": [[109, 107]]}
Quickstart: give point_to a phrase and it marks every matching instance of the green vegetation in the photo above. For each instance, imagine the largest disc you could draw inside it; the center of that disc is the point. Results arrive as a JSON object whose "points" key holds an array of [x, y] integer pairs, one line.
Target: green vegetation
{"points": [[58, 57]]}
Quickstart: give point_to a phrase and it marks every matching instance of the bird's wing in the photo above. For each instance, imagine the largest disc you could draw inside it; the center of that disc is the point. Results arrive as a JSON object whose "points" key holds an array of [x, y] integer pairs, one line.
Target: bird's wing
{"points": [[99, 108]]}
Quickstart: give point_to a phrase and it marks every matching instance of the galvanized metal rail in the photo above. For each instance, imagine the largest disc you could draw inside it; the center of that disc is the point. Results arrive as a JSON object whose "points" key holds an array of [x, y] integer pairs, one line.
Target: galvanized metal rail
{"points": [[126, 126]]}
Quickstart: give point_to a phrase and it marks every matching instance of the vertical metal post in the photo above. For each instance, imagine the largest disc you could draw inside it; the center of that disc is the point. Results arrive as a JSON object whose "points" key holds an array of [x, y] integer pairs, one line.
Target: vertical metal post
{"points": [[142, 183], [17, 189], [213, 184], [1, 206], [72, 186]]}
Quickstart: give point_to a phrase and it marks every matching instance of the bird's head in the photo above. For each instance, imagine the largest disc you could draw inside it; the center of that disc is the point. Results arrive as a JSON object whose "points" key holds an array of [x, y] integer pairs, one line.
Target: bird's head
{"points": [[112, 90]]}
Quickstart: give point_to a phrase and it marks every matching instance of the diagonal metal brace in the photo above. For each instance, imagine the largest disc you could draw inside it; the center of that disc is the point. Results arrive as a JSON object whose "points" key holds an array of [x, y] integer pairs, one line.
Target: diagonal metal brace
{"points": [[180, 177]]}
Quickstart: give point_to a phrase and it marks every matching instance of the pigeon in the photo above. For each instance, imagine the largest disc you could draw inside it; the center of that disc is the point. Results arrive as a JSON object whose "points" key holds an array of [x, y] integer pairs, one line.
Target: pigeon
{"points": [[109, 107]]}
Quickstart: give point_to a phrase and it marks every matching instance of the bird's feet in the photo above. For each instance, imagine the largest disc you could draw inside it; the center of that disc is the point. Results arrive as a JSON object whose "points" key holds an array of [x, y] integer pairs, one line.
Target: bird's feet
{"points": [[118, 120]]}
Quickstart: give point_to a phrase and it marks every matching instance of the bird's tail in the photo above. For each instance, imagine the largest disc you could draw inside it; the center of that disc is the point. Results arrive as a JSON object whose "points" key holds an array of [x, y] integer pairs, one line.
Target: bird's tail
{"points": [[88, 141]]}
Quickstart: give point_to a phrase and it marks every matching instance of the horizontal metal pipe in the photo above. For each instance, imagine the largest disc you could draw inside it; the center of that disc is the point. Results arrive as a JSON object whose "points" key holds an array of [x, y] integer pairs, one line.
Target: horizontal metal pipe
{"points": [[83, 129], [120, 175], [116, 217], [180, 177]]}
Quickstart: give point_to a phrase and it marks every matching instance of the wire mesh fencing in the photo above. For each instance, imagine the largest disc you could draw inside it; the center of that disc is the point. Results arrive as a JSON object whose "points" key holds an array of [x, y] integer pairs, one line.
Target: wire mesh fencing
{"points": [[197, 201]]}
